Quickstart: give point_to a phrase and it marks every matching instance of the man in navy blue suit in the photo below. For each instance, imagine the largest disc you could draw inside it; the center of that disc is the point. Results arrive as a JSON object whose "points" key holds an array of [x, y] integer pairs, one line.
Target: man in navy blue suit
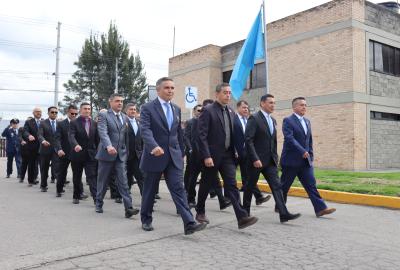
{"points": [[12, 147], [297, 156], [163, 154]]}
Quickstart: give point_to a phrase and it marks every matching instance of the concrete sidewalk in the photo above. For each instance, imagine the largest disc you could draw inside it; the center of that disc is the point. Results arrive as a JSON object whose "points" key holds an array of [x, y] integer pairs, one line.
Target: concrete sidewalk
{"points": [[40, 231]]}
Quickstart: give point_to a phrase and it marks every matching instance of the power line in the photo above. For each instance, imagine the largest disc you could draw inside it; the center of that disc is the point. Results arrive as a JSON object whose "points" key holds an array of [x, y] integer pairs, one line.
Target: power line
{"points": [[29, 90]]}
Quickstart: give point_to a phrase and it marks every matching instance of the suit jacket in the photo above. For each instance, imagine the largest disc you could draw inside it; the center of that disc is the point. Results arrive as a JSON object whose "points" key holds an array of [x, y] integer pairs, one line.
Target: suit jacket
{"points": [[239, 138], [296, 143], [46, 133], [62, 139], [25, 152], [12, 141], [135, 142], [112, 133], [30, 128], [212, 133], [187, 135], [155, 133], [77, 136], [260, 143]]}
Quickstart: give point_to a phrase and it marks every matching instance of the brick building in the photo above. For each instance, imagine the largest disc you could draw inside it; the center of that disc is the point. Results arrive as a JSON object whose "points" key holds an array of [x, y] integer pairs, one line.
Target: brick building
{"points": [[344, 57]]}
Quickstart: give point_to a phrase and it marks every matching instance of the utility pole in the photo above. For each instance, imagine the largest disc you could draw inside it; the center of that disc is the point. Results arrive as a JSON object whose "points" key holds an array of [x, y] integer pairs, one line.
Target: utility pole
{"points": [[57, 74], [173, 44], [116, 76]]}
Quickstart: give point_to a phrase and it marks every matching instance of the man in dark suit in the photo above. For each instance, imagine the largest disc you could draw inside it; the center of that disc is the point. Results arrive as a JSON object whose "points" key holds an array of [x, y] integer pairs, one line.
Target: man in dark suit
{"points": [[261, 145], [13, 150], [135, 147], [112, 154], [239, 127], [83, 140], [25, 153], [297, 156], [30, 136], [218, 154], [163, 154], [47, 151], [63, 147]]}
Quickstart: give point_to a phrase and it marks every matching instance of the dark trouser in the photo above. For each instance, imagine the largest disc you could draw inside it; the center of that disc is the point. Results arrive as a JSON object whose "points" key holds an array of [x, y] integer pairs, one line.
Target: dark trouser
{"points": [[62, 173], [227, 169], [194, 169], [90, 167], [24, 165], [113, 186], [10, 158], [243, 164], [33, 164], [173, 178], [44, 167], [104, 170], [133, 170], [307, 179], [270, 172]]}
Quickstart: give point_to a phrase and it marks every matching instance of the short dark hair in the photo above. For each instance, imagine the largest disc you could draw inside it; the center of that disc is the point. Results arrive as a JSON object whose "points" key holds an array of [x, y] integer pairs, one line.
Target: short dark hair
{"points": [[84, 104], [130, 104], [240, 102], [114, 96], [195, 107], [265, 97], [220, 86], [72, 107], [163, 79], [207, 101], [51, 107], [297, 98]]}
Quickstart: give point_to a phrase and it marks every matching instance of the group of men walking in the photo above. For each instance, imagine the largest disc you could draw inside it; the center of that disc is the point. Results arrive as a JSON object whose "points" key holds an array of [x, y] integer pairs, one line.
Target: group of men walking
{"points": [[216, 140]]}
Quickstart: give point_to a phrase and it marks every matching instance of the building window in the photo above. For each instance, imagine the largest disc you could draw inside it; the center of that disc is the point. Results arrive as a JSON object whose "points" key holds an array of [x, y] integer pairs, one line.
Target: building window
{"points": [[385, 116], [384, 58], [226, 76], [258, 76]]}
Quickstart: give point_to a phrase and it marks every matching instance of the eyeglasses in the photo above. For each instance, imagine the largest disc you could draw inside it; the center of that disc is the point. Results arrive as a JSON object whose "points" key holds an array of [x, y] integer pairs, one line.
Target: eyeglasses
{"points": [[198, 110], [53, 112], [74, 113]]}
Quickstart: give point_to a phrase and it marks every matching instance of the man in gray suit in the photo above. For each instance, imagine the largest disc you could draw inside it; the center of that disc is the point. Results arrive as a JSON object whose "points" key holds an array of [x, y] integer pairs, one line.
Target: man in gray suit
{"points": [[112, 153]]}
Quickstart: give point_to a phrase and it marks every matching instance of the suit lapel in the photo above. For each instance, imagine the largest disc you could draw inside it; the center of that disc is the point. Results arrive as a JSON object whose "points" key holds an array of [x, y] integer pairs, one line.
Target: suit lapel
{"points": [[116, 120], [264, 120], [219, 114], [299, 123], [160, 111]]}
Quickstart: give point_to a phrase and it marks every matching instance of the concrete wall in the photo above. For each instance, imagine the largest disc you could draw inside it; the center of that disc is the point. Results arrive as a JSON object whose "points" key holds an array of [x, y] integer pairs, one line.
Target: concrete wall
{"points": [[382, 18], [384, 85]]}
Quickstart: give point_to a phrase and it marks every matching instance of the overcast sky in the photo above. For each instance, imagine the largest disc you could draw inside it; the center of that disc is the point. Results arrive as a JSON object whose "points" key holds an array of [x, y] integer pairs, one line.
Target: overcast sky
{"points": [[28, 36]]}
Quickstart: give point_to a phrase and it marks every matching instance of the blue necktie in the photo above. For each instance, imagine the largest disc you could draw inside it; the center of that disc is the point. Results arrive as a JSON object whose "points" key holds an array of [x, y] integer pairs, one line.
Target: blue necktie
{"points": [[168, 115], [53, 126], [303, 123], [270, 124], [134, 126]]}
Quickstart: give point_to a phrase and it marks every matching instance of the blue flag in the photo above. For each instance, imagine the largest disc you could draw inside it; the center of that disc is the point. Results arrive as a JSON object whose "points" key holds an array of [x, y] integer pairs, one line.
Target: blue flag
{"points": [[253, 49]]}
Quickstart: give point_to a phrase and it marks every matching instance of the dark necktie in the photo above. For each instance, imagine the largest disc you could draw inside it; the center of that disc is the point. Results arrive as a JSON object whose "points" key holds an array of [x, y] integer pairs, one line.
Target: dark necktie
{"points": [[227, 128], [87, 126]]}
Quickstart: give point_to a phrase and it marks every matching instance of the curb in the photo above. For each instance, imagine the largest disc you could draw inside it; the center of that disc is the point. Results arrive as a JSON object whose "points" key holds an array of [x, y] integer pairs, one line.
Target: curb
{"points": [[343, 197]]}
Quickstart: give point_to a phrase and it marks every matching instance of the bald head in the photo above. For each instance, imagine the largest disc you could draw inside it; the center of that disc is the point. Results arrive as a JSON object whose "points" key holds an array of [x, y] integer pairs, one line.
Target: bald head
{"points": [[37, 112]]}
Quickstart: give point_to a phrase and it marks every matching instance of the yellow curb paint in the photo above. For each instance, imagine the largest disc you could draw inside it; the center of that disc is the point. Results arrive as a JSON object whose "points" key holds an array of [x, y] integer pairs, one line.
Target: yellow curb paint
{"points": [[343, 197]]}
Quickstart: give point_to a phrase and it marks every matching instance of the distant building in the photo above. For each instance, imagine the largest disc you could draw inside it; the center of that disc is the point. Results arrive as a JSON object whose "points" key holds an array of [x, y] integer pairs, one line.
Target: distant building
{"points": [[344, 57]]}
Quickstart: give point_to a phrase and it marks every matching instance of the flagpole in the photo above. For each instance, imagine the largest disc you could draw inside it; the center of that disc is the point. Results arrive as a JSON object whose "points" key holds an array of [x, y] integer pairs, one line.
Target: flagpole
{"points": [[266, 49]]}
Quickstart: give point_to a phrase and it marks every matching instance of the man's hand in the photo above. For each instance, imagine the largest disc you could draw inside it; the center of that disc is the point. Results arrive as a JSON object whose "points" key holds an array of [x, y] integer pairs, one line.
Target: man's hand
{"points": [[257, 164], [111, 150], [306, 155], [31, 138], [23, 142], [46, 143], [157, 151], [208, 162], [61, 153], [77, 148]]}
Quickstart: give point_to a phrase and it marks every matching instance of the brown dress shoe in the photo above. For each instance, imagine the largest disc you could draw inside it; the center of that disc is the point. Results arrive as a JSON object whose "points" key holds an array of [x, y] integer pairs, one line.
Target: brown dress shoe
{"points": [[246, 222], [326, 211], [262, 200], [202, 218]]}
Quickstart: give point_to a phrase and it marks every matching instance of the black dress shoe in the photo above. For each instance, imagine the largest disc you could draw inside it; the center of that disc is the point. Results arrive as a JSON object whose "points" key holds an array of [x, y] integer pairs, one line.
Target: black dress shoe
{"points": [[58, 194], [99, 209], [43, 189], [286, 218], [194, 227], [213, 194], [52, 181], [225, 204], [29, 185], [118, 200], [63, 191], [35, 182], [67, 182], [147, 227], [192, 204], [8, 176], [157, 197], [76, 201], [131, 211], [246, 222], [262, 200]]}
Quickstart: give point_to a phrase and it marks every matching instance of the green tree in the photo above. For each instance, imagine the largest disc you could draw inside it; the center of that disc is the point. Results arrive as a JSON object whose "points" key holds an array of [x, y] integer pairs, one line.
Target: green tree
{"points": [[94, 80]]}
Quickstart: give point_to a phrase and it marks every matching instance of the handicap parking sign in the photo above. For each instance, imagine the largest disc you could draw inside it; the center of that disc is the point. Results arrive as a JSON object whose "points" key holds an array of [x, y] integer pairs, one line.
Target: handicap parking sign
{"points": [[190, 97]]}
